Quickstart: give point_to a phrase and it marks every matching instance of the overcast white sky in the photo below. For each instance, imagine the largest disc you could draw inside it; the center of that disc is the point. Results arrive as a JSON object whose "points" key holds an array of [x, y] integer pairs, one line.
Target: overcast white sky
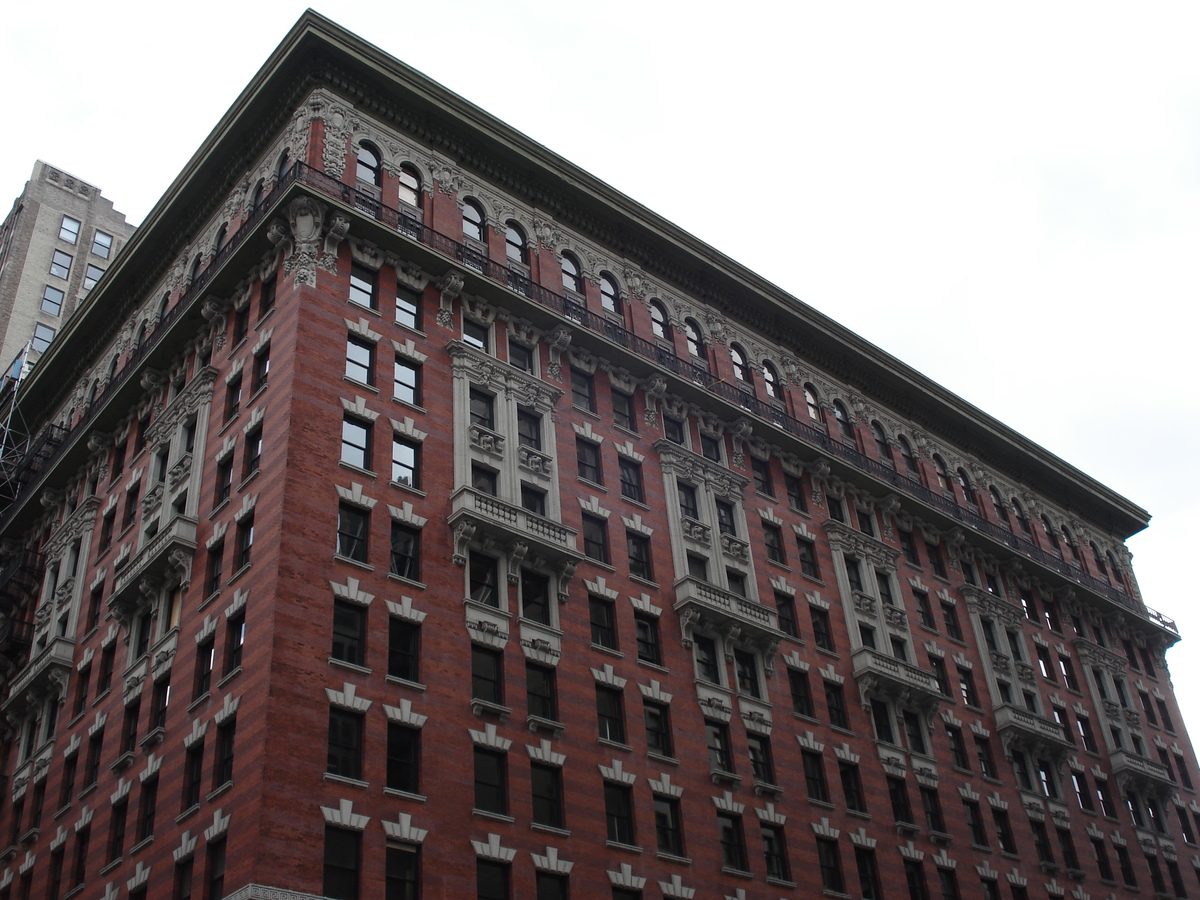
{"points": [[1006, 198]]}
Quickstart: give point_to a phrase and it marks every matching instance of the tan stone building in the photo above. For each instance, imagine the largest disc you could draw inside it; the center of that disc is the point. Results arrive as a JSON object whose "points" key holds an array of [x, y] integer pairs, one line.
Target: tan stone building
{"points": [[54, 245]]}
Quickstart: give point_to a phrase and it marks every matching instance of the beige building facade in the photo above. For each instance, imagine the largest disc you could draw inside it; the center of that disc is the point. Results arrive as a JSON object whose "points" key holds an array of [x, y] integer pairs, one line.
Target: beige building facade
{"points": [[55, 244]]}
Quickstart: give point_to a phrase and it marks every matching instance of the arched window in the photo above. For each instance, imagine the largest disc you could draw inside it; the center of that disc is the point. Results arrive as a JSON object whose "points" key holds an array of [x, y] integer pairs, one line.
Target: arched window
{"points": [[998, 505], [943, 476], [695, 339], [257, 195], [660, 323], [195, 269], [219, 240], [843, 421], [1019, 512], [771, 381], [368, 164], [1101, 570], [92, 392], [472, 220], [964, 481], [410, 185], [810, 400], [570, 271], [610, 294], [882, 447], [141, 335], [741, 371], [1118, 575], [515, 245], [112, 366], [1051, 536], [284, 164], [1069, 541], [906, 454], [162, 310]]}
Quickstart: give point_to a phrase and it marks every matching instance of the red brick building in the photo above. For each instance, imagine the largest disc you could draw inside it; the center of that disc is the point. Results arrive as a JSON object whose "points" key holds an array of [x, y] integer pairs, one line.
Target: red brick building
{"points": [[410, 514]]}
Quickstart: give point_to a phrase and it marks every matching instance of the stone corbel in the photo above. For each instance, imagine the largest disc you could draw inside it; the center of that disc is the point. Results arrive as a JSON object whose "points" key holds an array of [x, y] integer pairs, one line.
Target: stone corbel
{"points": [[463, 532], [565, 573], [450, 285]]}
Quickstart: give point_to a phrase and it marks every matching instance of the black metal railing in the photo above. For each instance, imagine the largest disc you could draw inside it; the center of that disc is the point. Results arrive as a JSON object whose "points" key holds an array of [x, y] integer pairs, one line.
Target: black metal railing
{"points": [[471, 257]]}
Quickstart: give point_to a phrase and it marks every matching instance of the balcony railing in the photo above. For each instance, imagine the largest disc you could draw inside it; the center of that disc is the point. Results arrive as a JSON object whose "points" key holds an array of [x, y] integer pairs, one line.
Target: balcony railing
{"points": [[895, 674], [402, 222], [726, 608], [1030, 728], [51, 663], [1125, 762], [515, 522], [154, 557]]}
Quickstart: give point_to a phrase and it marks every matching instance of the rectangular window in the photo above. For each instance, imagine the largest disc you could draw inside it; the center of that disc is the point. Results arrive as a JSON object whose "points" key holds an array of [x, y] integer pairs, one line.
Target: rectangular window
{"points": [[235, 640], [632, 487], [253, 455], [363, 287], [521, 356], [1126, 864], [223, 765], [746, 667], [403, 758], [483, 578], [914, 877], [898, 794], [668, 825], [648, 647], [101, 243], [487, 675], [406, 382], [610, 714], [266, 297], [193, 771], [406, 552], [1041, 842], [762, 764], [761, 470], [1067, 845], [966, 686], [868, 873], [60, 264], [934, 552], [583, 390], [402, 872], [491, 790], [710, 446], [491, 880], [674, 430], [116, 831], [802, 703], [1103, 864], [852, 787], [807, 552], [353, 525], [822, 632], [587, 455], [948, 882], [408, 308], [618, 813], [814, 776], [546, 784], [708, 667], [477, 334], [356, 442], [404, 649], [603, 622], [835, 704], [595, 538], [344, 755], [205, 658], [342, 859], [688, 504], [773, 541], [42, 336], [541, 695], [794, 485], [360, 360], [658, 728], [68, 230], [405, 459], [975, 823], [349, 632], [733, 842], [623, 411], [720, 753], [829, 858]]}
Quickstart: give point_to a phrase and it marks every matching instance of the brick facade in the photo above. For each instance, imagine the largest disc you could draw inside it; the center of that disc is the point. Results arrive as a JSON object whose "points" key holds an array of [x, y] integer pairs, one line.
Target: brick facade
{"points": [[358, 539]]}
